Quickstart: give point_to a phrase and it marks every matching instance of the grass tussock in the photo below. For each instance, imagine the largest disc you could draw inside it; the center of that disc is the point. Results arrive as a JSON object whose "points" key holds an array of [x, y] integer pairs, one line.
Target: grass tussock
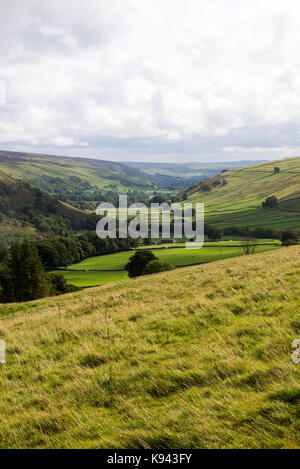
{"points": [[197, 358]]}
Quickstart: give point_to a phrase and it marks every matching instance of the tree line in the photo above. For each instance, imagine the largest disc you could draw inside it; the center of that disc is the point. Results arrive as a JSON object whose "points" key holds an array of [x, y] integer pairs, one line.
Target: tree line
{"points": [[24, 266]]}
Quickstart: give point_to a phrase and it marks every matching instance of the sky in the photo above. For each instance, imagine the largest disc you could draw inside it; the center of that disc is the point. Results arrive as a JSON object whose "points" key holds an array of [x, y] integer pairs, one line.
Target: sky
{"points": [[151, 80]]}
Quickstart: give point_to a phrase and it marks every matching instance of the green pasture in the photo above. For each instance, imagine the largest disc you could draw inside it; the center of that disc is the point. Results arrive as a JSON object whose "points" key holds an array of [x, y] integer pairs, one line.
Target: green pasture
{"points": [[100, 270]]}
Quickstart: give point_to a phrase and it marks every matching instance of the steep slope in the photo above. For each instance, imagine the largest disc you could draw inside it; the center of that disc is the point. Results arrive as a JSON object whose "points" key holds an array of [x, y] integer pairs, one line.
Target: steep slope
{"points": [[236, 199], [25, 211], [196, 358]]}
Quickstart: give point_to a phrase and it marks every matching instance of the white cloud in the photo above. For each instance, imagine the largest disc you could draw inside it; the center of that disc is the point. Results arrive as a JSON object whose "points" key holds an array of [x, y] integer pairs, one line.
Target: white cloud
{"points": [[201, 74], [2, 92], [63, 141]]}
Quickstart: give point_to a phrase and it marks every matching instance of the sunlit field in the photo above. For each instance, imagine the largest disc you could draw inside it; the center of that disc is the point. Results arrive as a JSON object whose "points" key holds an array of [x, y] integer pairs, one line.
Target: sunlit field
{"points": [[109, 268], [238, 202]]}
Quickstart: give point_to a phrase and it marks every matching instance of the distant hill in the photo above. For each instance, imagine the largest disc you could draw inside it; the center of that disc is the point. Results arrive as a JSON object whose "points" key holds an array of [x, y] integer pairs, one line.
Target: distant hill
{"points": [[235, 197], [80, 179], [28, 212], [193, 358], [184, 174]]}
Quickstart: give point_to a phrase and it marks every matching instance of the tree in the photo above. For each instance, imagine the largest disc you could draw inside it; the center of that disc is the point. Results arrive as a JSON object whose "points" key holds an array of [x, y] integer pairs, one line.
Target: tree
{"points": [[159, 199], [58, 285], [276, 169], [3, 252], [248, 246], [289, 242], [138, 262], [155, 266], [48, 255], [214, 233], [23, 277], [270, 202], [289, 235]]}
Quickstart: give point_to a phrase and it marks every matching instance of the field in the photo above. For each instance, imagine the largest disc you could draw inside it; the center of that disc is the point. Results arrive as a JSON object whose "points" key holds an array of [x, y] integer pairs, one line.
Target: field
{"points": [[111, 267], [238, 202], [193, 358]]}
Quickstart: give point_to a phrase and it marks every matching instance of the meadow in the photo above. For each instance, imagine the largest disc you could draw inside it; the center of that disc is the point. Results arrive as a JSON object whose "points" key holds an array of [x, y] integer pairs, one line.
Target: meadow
{"points": [[193, 358], [100, 270]]}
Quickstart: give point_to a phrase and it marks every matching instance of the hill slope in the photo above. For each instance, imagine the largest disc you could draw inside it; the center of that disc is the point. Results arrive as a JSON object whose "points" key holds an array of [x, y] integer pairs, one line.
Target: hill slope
{"points": [[78, 178], [184, 174], [199, 357], [26, 211], [238, 197]]}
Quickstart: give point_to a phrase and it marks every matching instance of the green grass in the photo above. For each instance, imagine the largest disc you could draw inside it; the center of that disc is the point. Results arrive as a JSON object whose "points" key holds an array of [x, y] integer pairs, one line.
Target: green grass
{"points": [[193, 358], [98, 173], [92, 279], [239, 201], [176, 256]]}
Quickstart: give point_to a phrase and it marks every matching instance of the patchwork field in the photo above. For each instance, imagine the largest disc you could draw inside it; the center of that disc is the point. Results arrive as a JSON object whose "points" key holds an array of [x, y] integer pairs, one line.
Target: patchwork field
{"points": [[193, 358], [109, 268], [238, 201]]}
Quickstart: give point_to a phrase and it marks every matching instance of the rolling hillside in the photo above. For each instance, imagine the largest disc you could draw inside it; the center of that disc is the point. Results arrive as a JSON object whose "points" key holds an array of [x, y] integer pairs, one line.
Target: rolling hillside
{"points": [[75, 177], [237, 198], [194, 358], [29, 212]]}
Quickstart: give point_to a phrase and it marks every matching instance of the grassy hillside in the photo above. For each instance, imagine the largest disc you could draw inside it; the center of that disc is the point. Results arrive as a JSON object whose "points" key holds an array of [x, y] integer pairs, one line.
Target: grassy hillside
{"points": [[78, 178], [100, 270], [237, 201], [199, 357], [27, 212]]}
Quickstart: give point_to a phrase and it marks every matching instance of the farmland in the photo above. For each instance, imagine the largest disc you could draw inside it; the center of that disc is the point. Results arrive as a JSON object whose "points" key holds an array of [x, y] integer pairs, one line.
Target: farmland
{"points": [[237, 201], [109, 268]]}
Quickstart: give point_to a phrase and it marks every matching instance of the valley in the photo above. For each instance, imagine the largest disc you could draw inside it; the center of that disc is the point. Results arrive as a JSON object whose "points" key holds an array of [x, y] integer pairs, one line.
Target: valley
{"points": [[110, 268]]}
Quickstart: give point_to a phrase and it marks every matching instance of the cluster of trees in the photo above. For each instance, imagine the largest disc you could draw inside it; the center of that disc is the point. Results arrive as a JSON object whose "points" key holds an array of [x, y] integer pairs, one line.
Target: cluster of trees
{"points": [[82, 194], [245, 231], [72, 189], [23, 278], [23, 267], [213, 232], [144, 262], [262, 233], [289, 237], [61, 251], [208, 184], [270, 202], [18, 200]]}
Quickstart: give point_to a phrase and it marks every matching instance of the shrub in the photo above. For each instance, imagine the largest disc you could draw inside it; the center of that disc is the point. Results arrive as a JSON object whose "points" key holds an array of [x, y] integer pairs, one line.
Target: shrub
{"points": [[214, 233], [287, 236], [289, 242], [156, 266], [270, 202], [58, 285]]}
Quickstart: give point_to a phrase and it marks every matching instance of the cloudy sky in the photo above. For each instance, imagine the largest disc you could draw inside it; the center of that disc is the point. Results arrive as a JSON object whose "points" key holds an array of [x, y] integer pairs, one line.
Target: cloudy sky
{"points": [[151, 80]]}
